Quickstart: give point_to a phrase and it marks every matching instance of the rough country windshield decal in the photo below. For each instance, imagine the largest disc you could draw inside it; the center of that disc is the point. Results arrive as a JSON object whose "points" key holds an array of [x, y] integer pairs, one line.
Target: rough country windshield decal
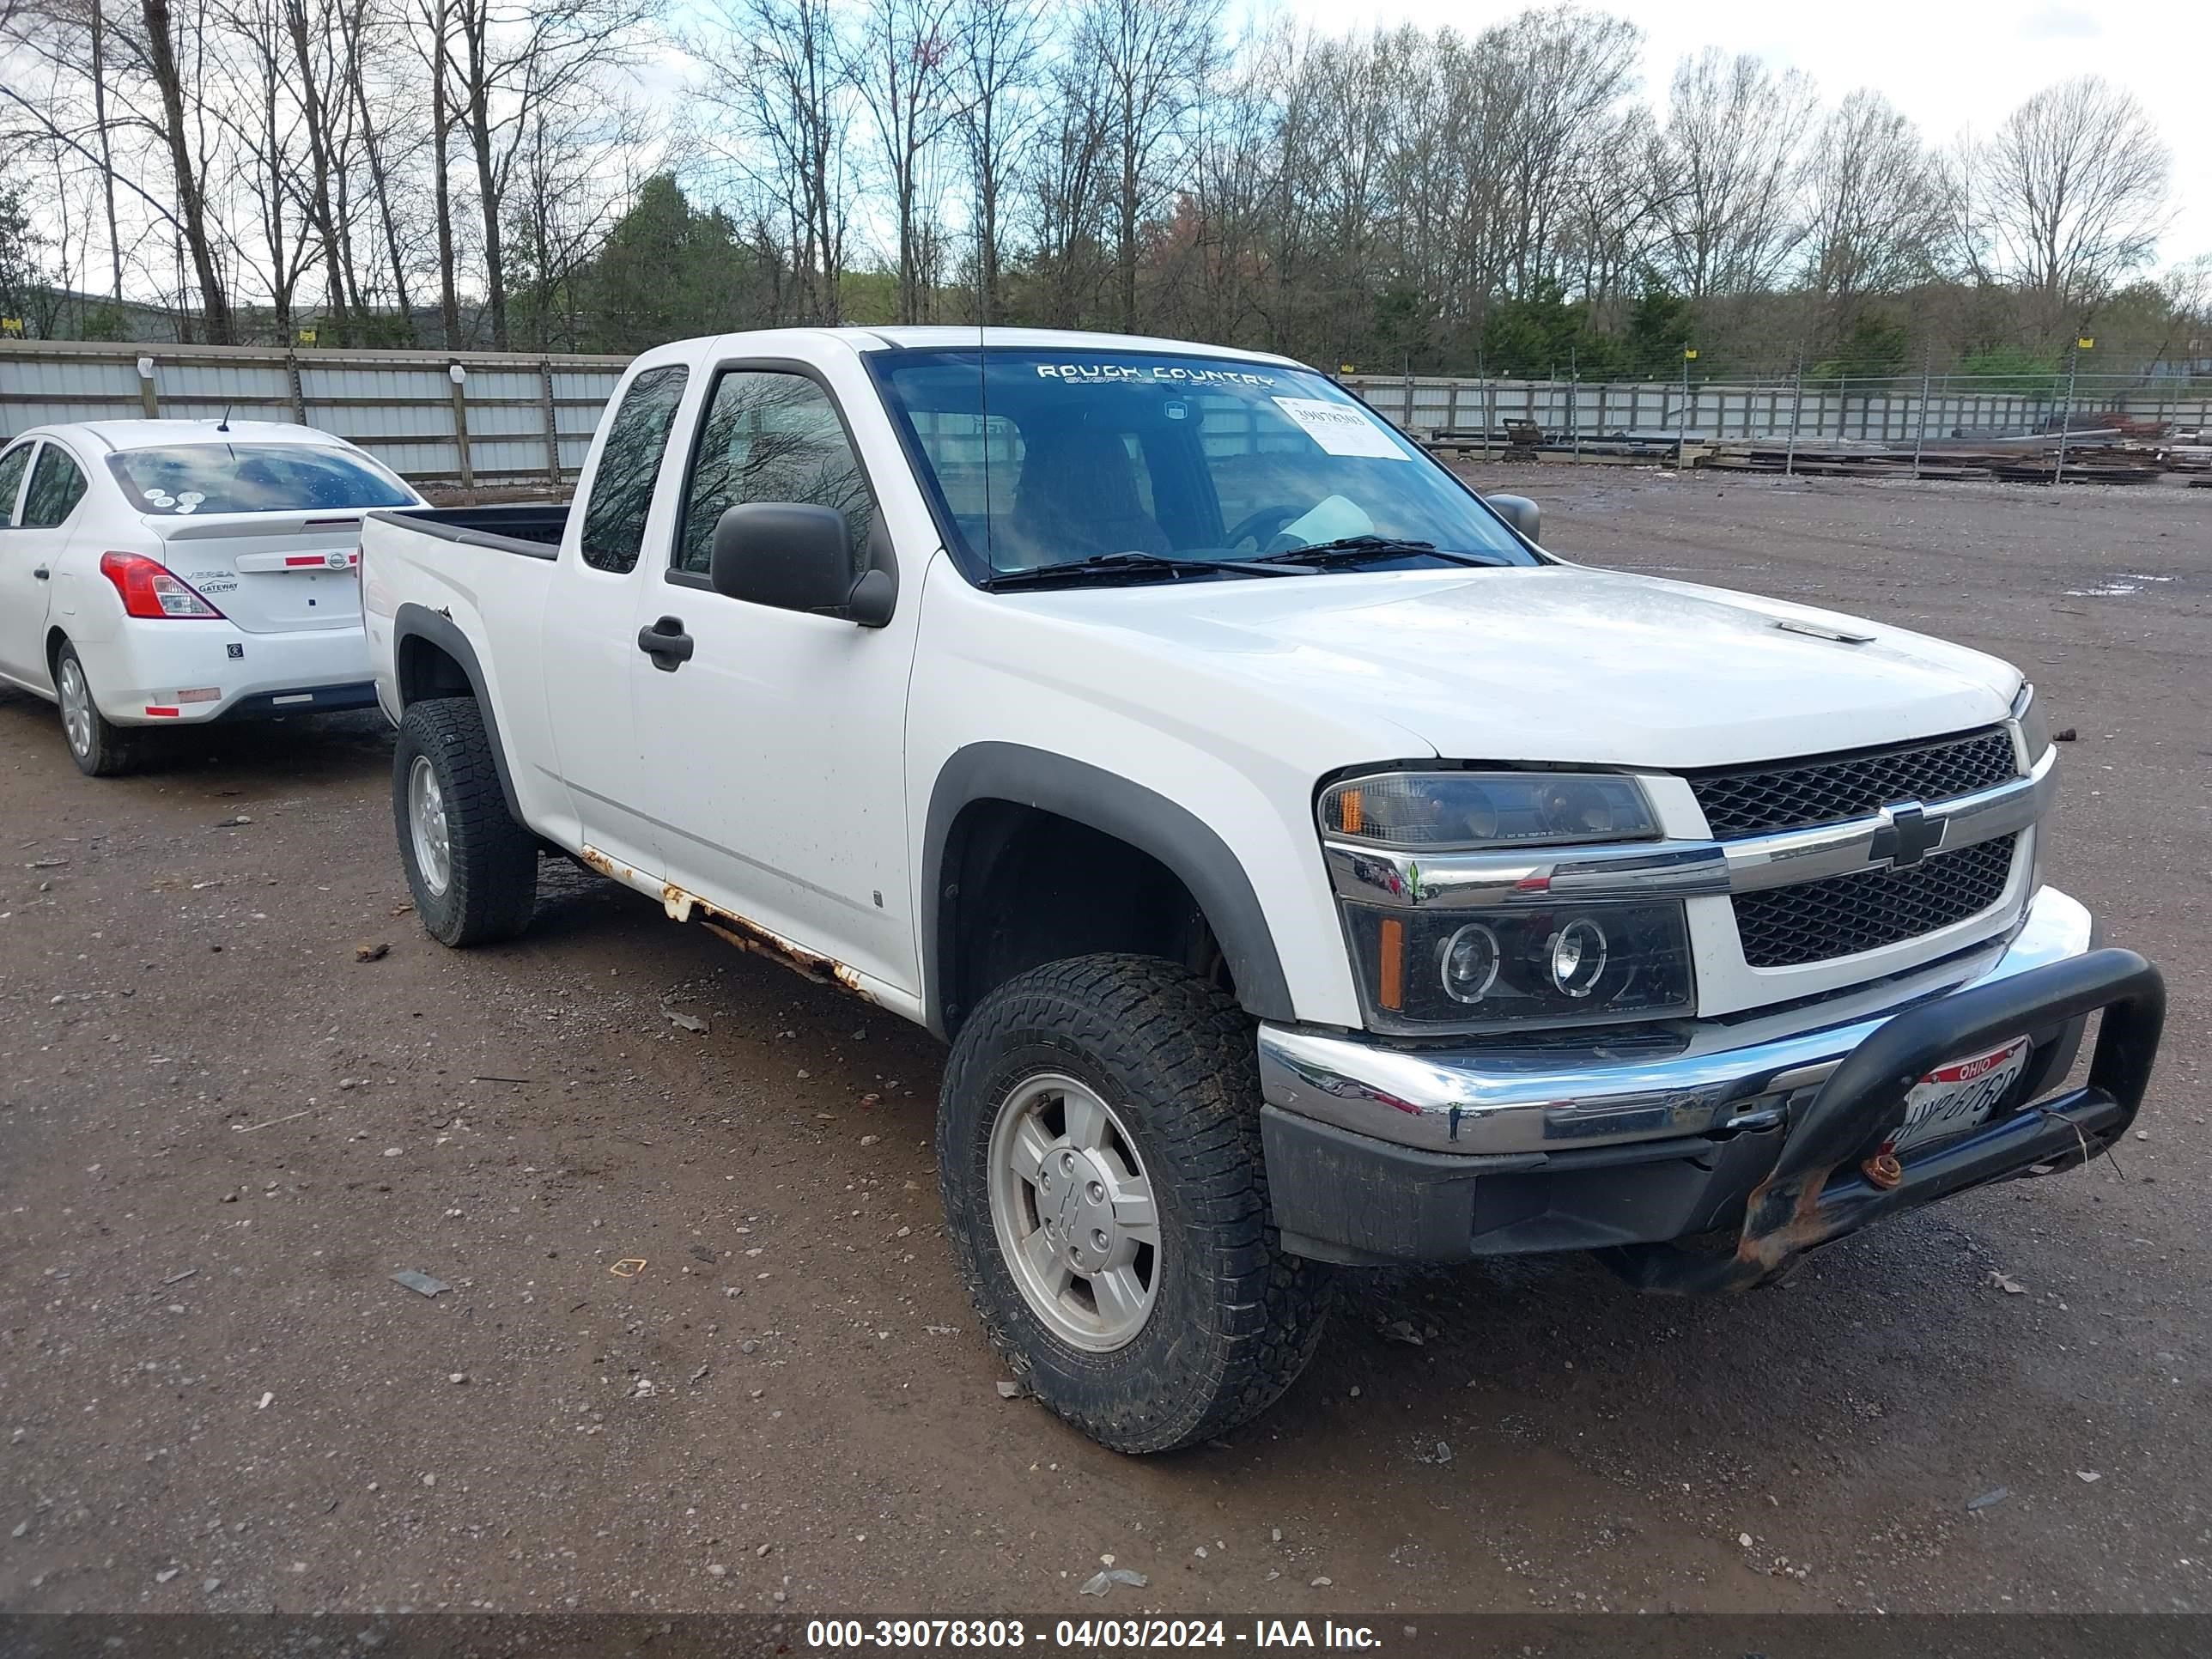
{"points": [[1155, 373], [1133, 467]]}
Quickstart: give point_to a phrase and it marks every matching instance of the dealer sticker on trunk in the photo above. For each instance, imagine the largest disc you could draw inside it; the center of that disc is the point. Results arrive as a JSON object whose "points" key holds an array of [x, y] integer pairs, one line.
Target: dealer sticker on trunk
{"points": [[1955, 1097]]}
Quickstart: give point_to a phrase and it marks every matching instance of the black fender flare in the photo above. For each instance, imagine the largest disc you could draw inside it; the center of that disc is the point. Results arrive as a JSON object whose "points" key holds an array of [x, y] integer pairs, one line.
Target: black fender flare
{"points": [[1116, 806], [417, 621]]}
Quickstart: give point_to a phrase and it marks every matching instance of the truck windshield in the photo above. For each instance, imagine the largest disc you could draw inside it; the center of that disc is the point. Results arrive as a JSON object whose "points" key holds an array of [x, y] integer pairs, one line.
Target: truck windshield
{"points": [[1065, 459], [182, 479]]}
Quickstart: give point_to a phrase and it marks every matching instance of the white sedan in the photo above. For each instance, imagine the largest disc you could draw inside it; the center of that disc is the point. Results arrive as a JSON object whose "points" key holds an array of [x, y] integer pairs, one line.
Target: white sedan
{"points": [[168, 573]]}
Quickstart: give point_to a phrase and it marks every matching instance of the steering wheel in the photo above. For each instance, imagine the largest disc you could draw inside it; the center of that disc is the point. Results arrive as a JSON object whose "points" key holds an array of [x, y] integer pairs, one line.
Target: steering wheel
{"points": [[1261, 526]]}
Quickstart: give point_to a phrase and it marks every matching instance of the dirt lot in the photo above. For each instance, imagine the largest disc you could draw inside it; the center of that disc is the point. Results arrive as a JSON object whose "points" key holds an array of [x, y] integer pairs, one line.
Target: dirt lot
{"points": [[219, 1133]]}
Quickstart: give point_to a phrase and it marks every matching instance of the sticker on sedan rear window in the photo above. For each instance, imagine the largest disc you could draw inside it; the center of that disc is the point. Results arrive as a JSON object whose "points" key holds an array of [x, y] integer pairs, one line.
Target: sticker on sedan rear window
{"points": [[1341, 429]]}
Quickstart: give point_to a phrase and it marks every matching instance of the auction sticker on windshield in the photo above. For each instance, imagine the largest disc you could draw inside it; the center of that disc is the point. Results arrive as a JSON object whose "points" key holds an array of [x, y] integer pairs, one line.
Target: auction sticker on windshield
{"points": [[1341, 429], [1955, 1097]]}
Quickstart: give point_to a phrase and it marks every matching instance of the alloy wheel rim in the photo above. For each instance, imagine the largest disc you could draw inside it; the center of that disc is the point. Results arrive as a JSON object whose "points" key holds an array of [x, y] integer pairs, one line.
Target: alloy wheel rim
{"points": [[1073, 1211], [426, 820], [77, 707]]}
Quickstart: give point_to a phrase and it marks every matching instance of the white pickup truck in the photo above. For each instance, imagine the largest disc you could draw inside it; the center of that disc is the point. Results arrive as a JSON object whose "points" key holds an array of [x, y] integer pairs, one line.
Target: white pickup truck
{"points": [[1307, 869]]}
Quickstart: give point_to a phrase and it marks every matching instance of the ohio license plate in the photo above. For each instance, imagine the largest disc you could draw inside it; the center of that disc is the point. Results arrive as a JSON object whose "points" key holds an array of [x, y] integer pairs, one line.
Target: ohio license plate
{"points": [[1955, 1097]]}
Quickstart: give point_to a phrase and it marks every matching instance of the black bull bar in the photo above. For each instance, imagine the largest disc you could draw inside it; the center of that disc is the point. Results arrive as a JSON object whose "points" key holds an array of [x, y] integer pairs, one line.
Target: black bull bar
{"points": [[1820, 1188]]}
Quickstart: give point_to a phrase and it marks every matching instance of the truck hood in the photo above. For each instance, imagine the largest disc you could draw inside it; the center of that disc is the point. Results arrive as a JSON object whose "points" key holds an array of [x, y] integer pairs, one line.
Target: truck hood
{"points": [[1560, 663]]}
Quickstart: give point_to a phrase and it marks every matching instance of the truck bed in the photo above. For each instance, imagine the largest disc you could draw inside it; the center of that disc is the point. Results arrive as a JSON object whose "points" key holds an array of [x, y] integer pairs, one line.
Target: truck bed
{"points": [[453, 576], [530, 528]]}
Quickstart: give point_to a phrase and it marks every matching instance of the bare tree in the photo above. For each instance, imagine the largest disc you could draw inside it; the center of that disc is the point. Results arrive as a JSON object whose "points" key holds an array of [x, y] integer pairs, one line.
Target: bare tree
{"points": [[504, 59], [999, 45], [1874, 203], [1148, 60], [313, 65], [781, 70], [265, 159], [1729, 148], [1560, 72], [1434, 199], [905, 57], [578, 167], [159, 46], [438, 21], [2069, 196], [362, 29], [96, 38], [1067, 192], [1609, 228]]}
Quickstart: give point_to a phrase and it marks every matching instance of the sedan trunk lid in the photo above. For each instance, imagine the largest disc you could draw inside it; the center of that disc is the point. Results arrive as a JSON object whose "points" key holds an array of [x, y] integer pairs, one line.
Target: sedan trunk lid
{"points": [[270, 572]]}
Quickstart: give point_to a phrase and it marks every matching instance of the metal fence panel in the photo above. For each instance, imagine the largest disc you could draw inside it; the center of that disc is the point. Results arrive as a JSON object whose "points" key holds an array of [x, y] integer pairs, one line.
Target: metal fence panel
{"points": [[1883, 410], [402, 407]]}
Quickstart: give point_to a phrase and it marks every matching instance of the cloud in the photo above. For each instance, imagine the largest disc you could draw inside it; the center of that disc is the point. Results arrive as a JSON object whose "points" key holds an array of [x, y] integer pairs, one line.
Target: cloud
{"points": [[2060, 23]]}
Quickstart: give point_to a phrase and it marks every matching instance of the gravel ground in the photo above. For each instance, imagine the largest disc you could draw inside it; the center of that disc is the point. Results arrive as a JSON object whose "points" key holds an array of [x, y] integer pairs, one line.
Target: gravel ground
{"points": [[221, 1133]]}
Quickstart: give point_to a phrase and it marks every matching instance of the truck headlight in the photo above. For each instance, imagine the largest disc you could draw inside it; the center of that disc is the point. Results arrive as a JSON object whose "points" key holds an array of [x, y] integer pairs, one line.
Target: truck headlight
{"points": [[1432, 968], [1460, 812], [2034, 728], [1559, 965]]}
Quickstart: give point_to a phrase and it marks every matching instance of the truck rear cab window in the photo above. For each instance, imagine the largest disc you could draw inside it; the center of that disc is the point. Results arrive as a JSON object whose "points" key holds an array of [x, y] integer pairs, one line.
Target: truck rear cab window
{"points": [[630, 464], [770, 436], [56, 486]]}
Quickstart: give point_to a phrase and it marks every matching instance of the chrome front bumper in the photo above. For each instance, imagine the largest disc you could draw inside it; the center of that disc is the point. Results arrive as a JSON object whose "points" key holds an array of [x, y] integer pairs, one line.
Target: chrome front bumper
{"points": [[1473, 1102]]}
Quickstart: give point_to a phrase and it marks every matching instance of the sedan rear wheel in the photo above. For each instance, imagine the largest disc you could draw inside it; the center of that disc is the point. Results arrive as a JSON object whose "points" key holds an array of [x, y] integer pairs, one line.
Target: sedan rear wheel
{"points": [[100, 748]]}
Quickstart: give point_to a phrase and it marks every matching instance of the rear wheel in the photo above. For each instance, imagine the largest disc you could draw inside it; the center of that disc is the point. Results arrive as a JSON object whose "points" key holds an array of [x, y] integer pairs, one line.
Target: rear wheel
{"points": [[1098, 1149], [472, 869], [101, 748]]}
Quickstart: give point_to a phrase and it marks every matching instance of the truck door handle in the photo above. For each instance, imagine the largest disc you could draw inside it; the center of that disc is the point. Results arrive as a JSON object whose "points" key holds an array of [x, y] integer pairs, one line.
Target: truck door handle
{"points": [[42, 573], [667, 643]]}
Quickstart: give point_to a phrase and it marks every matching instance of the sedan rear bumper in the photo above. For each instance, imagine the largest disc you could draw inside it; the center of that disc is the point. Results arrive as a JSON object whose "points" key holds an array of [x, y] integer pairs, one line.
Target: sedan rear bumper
{"points": [[178, 672]]}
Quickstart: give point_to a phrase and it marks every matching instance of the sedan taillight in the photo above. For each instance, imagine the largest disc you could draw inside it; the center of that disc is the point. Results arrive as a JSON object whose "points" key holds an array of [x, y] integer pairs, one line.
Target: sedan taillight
{"points": [[152, 590]]}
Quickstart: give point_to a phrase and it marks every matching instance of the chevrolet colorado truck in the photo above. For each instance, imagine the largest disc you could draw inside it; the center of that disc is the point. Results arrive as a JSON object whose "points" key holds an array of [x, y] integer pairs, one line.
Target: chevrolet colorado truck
{"points": [[1307, 870]]}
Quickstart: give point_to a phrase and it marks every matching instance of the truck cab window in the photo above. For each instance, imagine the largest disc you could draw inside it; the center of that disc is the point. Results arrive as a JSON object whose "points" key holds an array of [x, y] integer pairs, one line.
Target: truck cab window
{"points": [[629, 463], [770, 436], [56, 486]]}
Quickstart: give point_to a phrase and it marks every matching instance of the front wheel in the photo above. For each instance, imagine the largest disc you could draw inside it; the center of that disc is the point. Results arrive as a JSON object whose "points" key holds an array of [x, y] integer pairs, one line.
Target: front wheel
{"points": [[1098, 1150], [472, 869]]}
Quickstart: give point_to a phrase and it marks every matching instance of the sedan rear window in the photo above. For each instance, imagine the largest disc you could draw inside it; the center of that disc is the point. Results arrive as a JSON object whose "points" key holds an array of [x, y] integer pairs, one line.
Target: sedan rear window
{"points": [[182, 479]]}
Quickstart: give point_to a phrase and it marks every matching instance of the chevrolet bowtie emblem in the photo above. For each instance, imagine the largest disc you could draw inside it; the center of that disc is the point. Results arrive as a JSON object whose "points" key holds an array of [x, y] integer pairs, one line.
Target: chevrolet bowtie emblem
{"points": [[1907, 836]]}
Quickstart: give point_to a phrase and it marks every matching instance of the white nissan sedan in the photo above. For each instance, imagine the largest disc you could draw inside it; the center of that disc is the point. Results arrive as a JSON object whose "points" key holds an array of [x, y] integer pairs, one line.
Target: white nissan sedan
{"points": [[166, 572]]}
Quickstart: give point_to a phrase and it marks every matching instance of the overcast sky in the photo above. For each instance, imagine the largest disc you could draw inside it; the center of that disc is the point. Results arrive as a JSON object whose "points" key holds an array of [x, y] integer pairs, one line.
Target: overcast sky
{"points": [[1947, 64]]}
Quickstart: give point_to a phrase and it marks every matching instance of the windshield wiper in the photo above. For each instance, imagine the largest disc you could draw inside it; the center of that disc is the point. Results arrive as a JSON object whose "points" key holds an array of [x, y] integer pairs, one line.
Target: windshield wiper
{"points": [[1346, 549], [1135, 563]]}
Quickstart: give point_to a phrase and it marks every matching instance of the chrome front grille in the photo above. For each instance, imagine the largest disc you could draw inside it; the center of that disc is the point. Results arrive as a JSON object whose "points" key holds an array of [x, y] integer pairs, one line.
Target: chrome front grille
{"points": [[1756, 801], [1810, 921], [1816, 921]]}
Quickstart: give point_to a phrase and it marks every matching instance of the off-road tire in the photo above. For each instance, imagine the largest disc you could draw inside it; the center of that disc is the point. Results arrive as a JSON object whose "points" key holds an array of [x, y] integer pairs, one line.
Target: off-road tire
{"points": [[493, 887], [109, 750], [1236, 1319]]}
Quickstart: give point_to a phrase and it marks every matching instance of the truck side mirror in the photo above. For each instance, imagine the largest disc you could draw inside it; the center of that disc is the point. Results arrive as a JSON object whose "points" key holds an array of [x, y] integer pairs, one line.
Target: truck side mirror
{"points": [[1523, 514], [796, 557]]}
